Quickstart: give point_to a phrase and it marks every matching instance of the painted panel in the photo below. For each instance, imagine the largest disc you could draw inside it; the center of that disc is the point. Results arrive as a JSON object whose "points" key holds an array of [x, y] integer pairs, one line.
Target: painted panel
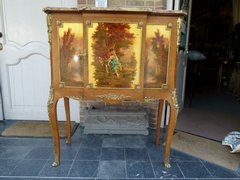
{"points": [[114, 54], [157, 56], [70, 47]]}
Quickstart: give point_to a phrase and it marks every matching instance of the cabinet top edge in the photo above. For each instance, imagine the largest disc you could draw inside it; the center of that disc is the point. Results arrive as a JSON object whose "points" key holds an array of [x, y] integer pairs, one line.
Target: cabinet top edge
{"points": [[49, 10]]}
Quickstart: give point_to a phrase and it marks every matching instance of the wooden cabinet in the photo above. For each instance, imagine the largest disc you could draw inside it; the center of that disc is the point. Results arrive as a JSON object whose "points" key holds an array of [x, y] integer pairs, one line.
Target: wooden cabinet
{"points": [[113, 55]]}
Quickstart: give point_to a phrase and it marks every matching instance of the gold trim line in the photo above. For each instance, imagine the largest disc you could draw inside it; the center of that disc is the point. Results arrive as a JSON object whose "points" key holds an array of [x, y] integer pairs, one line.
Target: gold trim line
{"points": [[113, 96], [49, 25], [78, 98], [175, 103]]}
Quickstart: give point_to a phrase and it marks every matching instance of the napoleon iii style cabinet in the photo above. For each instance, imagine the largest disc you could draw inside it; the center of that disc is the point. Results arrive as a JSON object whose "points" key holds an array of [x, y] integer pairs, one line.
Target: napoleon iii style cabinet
{"points": [[113, 55]]}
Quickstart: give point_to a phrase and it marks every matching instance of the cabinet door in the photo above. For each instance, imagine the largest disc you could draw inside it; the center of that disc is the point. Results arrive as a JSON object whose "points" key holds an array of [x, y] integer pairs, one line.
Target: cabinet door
{"points": [[66, 39], [70, 48], [157, 55], [162, 39], [114, 48]]}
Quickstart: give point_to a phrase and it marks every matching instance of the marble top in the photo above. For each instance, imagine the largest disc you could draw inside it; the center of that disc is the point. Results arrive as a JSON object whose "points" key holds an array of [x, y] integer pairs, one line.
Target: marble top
{"points": [[48, 10]]}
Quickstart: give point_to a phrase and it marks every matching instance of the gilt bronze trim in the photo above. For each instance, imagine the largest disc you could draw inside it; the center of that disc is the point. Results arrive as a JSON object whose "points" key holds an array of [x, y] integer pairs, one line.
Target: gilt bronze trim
{"points": [[167, 163], [56, 160], [78, 98], [174, 100], [149, 99], [50, 101], [113, 96], [179, 25], [49, 25]]}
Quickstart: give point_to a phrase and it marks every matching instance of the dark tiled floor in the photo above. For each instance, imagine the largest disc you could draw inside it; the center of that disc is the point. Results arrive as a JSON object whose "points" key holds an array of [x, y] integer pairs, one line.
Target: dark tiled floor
{"points": [[100, 157]]}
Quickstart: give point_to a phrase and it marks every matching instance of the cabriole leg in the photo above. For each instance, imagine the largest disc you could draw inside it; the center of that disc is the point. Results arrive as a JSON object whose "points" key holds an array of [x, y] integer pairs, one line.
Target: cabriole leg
{"points": [[171, 126], [52, 114]]}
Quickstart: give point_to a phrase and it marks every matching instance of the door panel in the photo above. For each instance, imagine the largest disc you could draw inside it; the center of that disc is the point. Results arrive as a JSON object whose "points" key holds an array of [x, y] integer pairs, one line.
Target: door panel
{"points": [[24, 61], [27, 71]]}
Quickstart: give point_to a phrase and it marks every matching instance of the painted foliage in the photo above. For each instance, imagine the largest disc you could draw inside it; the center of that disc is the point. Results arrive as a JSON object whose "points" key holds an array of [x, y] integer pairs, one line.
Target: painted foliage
{"points": [[156, 62], [115, 50], [70, 47]]}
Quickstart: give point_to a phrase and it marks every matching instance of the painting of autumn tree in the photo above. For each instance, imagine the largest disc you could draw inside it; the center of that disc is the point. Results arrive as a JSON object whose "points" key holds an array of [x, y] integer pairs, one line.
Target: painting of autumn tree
{"points": [[114, 59], [66, 53], [71, 66], [156, 60]]}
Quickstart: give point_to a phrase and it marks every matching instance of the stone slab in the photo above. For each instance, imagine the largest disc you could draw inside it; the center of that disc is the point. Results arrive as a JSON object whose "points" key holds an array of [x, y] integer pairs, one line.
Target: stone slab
{"points": [[116, 120]]}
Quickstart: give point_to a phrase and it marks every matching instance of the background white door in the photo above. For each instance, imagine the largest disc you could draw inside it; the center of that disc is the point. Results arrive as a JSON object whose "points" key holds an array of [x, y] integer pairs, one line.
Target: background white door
{"points": [[24, 60]]}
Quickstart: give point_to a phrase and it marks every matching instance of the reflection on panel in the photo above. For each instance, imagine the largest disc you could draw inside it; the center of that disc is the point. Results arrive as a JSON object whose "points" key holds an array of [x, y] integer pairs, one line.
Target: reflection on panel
{"points": [[157, 56], [114, 54], [70, 47]]}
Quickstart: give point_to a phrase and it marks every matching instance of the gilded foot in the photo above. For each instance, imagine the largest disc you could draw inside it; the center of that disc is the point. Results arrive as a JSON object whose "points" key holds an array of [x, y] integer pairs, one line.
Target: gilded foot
{"points": [[56, 160], [167, 165], [54, 164]]}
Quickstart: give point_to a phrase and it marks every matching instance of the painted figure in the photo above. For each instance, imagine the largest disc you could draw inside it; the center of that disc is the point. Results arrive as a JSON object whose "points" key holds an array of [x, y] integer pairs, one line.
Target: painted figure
{"points": [[113, 62]]}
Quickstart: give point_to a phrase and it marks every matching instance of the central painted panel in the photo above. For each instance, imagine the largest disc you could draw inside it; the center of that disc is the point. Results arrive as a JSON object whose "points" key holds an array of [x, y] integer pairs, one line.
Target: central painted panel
{"points": [[114, 54]]}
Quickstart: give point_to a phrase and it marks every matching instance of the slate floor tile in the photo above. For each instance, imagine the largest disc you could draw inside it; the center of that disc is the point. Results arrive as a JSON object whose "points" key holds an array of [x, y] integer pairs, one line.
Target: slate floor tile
{"points": [[92, 141], [194, 170], [112, 169], [6, 124], [156, 154], [112, 154], [7, 166], [2, 150], [136, 154], [88, 154], [134, 141], [4, 141], [26, 142], [139, 169], [45, 142], [29, 168], [84, 169], [61, 170], [113, 142], [16, 152], [162, 172], [40, 153]]}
